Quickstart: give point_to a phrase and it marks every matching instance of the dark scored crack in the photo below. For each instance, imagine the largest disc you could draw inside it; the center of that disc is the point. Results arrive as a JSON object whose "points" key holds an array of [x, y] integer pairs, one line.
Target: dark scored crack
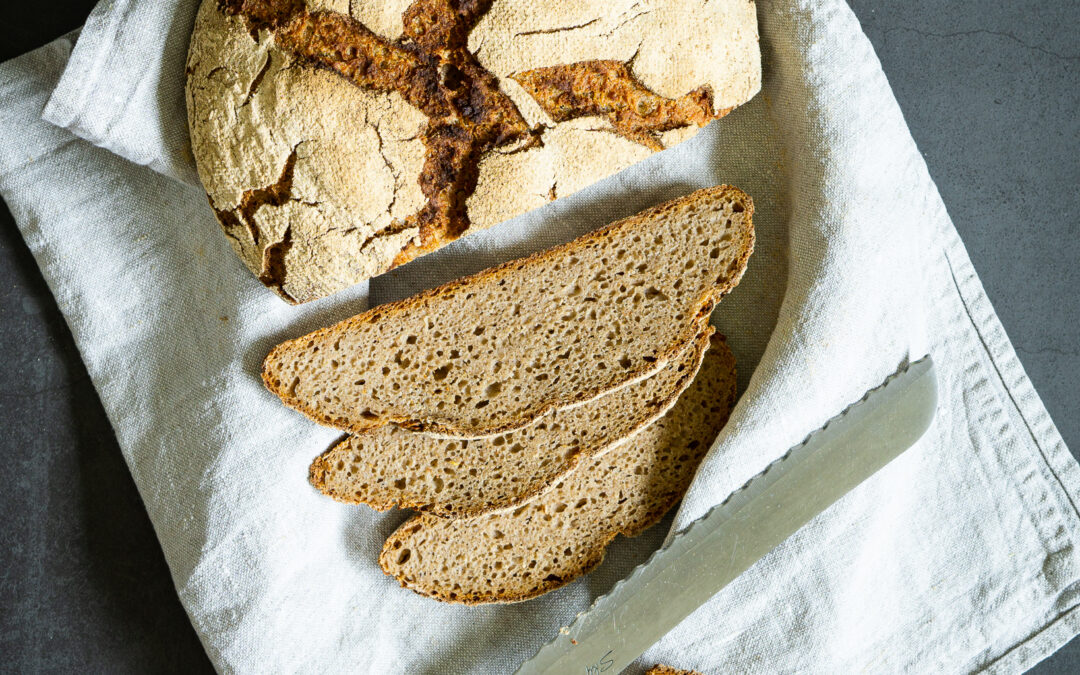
{"points": [[272, 195], [560, 29], [468, 115], [257, 80], [274, 268], [276, 194], [608, 89], [231, 223], [432, 69], [389, 166]]}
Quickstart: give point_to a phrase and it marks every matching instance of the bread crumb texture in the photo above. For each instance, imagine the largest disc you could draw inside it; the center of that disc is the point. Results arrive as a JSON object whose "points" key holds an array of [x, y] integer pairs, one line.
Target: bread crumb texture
{"points": [[390, 466], [338, 139], [495, 351], [553, 539]]}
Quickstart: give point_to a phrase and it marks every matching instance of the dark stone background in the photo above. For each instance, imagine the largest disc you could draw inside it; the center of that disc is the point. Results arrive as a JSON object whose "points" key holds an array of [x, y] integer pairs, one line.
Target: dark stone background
{"points": [[991, 91]]}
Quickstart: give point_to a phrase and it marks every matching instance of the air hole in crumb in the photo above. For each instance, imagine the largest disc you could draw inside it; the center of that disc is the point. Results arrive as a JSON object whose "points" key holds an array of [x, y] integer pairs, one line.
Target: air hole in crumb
{"points": [[440, 373]]}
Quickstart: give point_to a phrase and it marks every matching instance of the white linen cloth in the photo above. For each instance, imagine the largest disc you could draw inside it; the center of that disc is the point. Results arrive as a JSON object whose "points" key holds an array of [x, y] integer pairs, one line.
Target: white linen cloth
{"points": [[960, 556]]}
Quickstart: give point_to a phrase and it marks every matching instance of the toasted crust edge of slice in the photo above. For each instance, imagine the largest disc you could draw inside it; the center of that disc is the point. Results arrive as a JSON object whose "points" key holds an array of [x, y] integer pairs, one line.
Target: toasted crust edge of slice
{"points": [[705, 305], [719, 342], [322, 465]]}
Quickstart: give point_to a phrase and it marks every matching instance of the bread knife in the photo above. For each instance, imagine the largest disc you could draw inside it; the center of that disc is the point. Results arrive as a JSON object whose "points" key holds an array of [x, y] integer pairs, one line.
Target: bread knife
{"points": [[755, 519]]}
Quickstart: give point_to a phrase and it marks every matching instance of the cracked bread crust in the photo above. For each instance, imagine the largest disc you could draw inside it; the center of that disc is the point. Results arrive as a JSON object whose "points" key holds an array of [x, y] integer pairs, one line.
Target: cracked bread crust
{"points": [[339, 139]]}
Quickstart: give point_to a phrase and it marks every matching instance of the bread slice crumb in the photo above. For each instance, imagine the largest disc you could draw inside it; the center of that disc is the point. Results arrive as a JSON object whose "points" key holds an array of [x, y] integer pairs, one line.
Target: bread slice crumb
{"points": [[497, 350], [390, 466], [551, 540]]}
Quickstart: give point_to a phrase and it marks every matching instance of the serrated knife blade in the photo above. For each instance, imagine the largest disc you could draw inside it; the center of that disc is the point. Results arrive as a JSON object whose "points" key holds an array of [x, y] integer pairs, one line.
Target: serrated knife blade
{"points": [[750, 523]]}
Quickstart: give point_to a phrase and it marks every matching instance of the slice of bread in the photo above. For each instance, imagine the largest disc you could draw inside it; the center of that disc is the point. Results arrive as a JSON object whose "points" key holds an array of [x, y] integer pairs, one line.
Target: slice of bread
{"points": [[391, 466], [549, 541], [494, 351], [668, 670]]}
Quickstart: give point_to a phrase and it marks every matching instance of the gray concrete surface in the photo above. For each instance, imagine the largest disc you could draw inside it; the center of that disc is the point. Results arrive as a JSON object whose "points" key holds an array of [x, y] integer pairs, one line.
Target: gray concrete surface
{"points": [[991, 91]]}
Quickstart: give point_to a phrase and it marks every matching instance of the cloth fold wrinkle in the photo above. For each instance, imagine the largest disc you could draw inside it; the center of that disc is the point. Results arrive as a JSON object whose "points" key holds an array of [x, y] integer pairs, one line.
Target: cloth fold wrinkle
{"points": [[122, 90]]}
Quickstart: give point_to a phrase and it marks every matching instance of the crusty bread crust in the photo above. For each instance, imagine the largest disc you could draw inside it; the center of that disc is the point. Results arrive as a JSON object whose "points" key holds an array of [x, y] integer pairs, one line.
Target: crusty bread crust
{"points": [[361, 469], [742, 231], [339, 139], [661, 488]]}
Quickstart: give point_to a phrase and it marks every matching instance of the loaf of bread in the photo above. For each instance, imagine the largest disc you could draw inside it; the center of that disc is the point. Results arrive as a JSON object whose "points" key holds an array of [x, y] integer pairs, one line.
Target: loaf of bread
{"points": [[495, 351], [390, 466], [553, 539], [337, 139]]}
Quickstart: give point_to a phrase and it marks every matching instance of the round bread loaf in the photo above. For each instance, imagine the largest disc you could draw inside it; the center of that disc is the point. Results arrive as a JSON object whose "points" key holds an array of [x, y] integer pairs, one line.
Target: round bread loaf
{"points": [[337, 139]]}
